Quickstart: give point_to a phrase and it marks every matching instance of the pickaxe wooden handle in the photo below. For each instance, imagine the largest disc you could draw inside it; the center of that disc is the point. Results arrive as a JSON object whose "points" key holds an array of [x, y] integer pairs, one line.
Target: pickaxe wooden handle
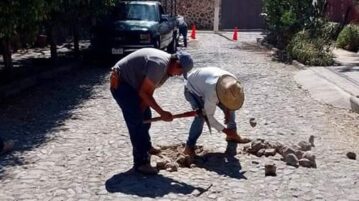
{"points": [[176, 116]]}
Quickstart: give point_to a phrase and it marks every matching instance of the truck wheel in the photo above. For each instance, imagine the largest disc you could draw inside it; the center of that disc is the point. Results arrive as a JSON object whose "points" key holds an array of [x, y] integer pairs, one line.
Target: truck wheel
{"points": [[172, 47]]}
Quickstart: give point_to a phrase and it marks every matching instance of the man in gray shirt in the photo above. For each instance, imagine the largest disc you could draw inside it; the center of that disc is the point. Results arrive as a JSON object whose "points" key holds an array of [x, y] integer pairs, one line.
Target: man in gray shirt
{"points": [[133, 81]]}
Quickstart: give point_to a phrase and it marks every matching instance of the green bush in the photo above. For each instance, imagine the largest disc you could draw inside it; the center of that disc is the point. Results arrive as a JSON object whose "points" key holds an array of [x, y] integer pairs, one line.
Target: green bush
{"points": [[349, 38], [331, 29], [284, 18], [309, 50]]}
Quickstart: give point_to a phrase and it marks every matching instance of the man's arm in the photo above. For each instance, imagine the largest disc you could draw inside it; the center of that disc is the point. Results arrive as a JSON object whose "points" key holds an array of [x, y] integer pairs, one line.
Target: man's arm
{"points": [[146, 91], [210, 108]]}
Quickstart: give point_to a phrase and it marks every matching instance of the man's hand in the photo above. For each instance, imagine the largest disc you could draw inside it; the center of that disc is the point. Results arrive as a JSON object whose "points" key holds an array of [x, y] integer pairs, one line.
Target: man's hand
{"points": [[166, 116]]}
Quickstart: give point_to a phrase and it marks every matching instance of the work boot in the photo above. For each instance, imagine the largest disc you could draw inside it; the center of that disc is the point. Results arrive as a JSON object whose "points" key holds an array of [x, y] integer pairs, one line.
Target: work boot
{"points": [[189, 151], [237, 139], [154, 151], [147, 169]]}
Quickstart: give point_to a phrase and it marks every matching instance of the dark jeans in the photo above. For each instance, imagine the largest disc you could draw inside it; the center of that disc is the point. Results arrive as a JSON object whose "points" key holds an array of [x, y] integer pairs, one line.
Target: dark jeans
{"points": [[183, 31], [129, 101]]}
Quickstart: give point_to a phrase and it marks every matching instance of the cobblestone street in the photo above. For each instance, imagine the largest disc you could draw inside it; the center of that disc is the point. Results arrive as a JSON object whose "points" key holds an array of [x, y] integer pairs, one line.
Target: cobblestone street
{"points": [[73, 144]]}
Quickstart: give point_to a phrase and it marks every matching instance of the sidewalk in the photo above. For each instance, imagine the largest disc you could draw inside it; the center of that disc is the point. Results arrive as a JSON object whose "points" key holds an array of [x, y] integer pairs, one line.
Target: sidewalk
{"points": [[334, 85]]}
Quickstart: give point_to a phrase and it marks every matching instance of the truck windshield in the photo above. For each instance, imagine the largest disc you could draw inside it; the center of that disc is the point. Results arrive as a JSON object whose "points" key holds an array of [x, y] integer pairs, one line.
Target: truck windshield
{"points": [[135, 12]]}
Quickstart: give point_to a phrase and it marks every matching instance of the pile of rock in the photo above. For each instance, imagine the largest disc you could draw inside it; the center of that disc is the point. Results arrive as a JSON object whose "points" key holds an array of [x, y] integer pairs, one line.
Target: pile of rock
{"points": [[171, 158], [296, 155]]}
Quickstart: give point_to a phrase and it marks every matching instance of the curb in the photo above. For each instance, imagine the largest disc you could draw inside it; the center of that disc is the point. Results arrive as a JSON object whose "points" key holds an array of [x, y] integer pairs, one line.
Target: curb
{"points": [[299, 65], [354, 100], [19, 86], [354, 103]]}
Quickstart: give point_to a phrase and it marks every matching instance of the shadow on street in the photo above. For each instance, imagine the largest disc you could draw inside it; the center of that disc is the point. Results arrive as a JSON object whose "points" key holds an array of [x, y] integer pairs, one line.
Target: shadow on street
{"points": [[222, 163], [133, 183], [30, 117]]}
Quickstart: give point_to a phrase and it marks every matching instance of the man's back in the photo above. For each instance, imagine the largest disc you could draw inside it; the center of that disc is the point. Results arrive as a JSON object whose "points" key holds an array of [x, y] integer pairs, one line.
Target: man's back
{"points": [[146, 62], [202, 81]]}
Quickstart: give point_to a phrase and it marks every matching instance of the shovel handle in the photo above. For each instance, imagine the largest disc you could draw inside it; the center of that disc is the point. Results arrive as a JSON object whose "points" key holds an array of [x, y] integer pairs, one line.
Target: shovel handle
{"points": [[176, 116]]}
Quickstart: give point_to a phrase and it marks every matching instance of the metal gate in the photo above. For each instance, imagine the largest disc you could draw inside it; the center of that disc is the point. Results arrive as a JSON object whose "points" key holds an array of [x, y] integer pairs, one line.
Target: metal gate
{"points": [[244, 14]]}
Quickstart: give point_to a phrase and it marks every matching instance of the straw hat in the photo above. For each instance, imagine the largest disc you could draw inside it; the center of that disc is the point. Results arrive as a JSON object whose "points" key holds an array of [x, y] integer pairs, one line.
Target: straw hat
{"points": [[230, 92]]}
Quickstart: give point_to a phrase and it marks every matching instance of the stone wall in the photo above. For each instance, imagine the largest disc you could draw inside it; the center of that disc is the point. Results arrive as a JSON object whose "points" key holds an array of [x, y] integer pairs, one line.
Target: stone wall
{"points": [[198, 12]]}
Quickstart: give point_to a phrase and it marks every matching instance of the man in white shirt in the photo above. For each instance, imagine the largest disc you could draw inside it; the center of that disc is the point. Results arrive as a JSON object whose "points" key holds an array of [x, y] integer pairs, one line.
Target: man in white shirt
{"points": [[207, 88]]}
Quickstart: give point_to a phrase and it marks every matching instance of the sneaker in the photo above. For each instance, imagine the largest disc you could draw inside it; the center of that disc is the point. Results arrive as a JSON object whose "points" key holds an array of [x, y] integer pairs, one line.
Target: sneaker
{"points": [[188, 151], [154, 151], [238, 139], [147, 169]]}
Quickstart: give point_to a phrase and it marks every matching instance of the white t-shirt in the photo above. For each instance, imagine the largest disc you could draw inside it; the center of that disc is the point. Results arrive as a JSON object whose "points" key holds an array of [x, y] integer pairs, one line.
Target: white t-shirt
{"points": [[202, 82]]}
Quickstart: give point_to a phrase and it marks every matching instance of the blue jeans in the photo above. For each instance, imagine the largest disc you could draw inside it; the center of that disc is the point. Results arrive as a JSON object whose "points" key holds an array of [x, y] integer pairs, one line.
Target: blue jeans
{"points": [[197, 124], [129, 101]]}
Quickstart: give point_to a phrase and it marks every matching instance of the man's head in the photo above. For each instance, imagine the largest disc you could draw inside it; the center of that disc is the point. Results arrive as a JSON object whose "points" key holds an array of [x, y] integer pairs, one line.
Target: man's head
{"points": [[230, 92], [181, 63]]}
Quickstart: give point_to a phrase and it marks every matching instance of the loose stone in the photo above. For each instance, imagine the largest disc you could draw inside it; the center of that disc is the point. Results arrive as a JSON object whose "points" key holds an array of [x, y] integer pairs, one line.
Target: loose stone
{"points": [[270, 152], [161, 165], [299, 154], [253, 122], [311, 140], [311, 157], [292, 160], [260, 152], [304, 146], [270, 169], [305, 163], [286, 150], [256, 145], [351, 155]]}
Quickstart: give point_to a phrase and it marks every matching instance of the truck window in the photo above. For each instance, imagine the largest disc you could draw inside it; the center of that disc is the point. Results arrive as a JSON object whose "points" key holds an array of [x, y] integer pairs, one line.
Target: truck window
{"points": [[142, 12]]}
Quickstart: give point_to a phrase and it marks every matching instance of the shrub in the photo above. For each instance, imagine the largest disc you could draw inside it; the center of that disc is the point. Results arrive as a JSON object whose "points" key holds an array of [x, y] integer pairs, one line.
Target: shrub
{"points": [[309, 50], [332, 29], [349, 38], [284, 18]]}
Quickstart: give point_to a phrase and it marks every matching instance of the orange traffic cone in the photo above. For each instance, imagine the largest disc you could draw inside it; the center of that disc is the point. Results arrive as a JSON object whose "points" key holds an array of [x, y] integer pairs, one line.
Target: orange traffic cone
{"points": [[193, 34], [235, 34]]}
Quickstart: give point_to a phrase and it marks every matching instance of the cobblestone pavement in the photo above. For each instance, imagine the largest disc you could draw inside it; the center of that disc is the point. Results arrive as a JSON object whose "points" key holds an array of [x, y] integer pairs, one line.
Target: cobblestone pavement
{"points": [[73, 143]]}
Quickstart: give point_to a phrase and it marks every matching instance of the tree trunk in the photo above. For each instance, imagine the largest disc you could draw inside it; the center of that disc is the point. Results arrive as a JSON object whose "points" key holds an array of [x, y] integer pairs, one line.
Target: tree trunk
{"points": [[76, 35], [52, 41], [7, 54]]}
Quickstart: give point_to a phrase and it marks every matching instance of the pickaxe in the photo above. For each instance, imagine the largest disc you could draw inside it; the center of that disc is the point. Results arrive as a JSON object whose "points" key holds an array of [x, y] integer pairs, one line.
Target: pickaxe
{"points": [[183, 115], [176, 116]]}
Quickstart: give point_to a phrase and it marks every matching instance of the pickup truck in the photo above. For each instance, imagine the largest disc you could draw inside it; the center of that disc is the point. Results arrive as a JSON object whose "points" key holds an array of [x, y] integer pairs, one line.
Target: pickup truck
{"points": [[133, 25]]}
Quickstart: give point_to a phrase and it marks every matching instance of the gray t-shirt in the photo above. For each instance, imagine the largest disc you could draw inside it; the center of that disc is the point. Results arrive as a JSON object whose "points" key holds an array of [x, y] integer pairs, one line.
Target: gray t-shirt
{"points": [[147, 62]]}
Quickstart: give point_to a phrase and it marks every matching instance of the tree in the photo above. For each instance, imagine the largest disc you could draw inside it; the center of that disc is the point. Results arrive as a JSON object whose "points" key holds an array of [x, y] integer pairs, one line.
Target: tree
{"points": [[74, 13], [18, 16], [284, 18]]}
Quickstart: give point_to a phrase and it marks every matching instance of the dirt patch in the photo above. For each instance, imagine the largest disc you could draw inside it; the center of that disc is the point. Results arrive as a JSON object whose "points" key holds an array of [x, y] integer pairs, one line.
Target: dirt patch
{"points": [[171, 157]]}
